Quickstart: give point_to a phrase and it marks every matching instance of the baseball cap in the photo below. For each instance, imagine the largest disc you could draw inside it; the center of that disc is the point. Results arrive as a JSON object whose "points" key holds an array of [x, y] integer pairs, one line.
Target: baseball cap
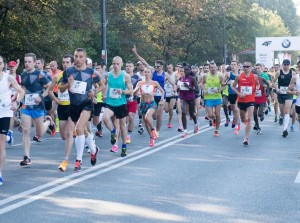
{"points": [[12, 63], [89, 61], [286, 61]]}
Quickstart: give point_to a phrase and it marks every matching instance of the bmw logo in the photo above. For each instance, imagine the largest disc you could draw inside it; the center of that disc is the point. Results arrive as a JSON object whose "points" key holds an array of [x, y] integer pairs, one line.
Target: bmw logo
{"points": [[286, 43]]}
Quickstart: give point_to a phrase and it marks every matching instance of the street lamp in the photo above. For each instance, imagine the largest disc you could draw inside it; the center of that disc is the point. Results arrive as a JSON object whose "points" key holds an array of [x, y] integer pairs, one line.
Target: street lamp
{"points": [[103, 20]]}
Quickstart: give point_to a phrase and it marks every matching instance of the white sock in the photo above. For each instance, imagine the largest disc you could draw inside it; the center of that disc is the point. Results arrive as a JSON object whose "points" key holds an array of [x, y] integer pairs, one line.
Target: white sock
{"points": [[286, 121], [79, 144], [91, 143]]}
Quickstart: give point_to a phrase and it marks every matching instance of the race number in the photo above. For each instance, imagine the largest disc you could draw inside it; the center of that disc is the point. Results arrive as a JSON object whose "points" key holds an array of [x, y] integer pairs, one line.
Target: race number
{"points": [[258, 93], [29, 99], [114, 93], [212, 90], [246, 90], [157, 92], [64, 96], [283, 89], [182, 87], [78, 87]]}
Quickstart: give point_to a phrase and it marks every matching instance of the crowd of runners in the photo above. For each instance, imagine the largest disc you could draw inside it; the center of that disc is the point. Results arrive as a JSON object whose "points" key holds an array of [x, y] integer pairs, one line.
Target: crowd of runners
{"points": [[83, 94]]}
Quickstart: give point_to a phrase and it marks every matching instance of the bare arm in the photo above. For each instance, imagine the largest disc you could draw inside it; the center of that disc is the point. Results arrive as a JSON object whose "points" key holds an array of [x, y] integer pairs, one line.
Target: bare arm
{"points": [[134, 50], [18, 88], [161, 90]]}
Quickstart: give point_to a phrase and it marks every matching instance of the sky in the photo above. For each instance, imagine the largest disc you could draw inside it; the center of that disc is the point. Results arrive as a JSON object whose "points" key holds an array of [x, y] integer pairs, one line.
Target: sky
{"points": [[297, 4]]}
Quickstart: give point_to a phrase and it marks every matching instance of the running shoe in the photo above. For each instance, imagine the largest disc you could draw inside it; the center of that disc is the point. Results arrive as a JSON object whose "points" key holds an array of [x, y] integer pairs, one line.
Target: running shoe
{"points": [[258, 131], [180, 129], [196, 128], [275, 120], [227, 122], [210, 122], [63, 166], [184, 135], [246, 143], [99, 133], [114, 149], [262, 118], [94, 157], [52, 126], [214, 123], [280, 120], [1, 181], [77, 166], [154, 134], [128, 139], [266, 112], [233, 124], [269, 108], [113, 138], [216, 133], [239, 127], [141, 130], [10, 139], [285, 133], [20, 128], [207, 118], [292, 128], [37, 139], [124, 152], [140, 125], [169, 125], [255, 127], [151, 143], [25, 162], [236, 131]]}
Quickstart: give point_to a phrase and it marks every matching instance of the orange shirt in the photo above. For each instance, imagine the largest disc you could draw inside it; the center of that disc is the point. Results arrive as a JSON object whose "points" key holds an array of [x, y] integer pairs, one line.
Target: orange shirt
{"points": [[53, 75]]}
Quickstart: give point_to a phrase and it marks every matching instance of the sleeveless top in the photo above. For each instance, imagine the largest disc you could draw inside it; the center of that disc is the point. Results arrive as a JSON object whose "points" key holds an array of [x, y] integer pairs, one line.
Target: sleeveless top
{"points": [[161, 80], [231, 80], [260, 94], [212, 83], [63, 97], [284, 81], [147, 88], [5, 97], [247, 87], [113, 84], [185, 93], [298, 89]]}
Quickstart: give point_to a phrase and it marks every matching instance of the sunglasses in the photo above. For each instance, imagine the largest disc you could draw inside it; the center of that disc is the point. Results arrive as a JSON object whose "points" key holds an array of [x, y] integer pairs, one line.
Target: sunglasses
{"points": [[246, 66], [157, 66], [286, 65]]}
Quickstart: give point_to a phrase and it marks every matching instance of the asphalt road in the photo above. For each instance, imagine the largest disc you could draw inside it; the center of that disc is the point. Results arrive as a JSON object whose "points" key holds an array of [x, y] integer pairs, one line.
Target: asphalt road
{"points": [[198, 179]]}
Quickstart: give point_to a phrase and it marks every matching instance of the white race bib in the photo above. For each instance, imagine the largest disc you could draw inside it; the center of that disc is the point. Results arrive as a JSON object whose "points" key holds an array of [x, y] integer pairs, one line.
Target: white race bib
{"points": [[211, 90], [4, 102], [13, 92], [258, 93], [157, 92], [78, 87], [29, 99], [113, 93], [169, 90], [283, 89], [246, 90], [64, 96], [182, 87]]}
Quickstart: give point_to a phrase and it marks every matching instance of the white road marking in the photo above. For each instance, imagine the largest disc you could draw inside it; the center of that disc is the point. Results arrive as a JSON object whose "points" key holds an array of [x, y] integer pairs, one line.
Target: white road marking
{"points": [[70, 182], [297, 180]]}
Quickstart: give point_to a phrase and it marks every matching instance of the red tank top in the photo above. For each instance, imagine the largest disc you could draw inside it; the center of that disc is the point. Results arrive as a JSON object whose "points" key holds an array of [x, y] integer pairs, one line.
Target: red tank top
{"points": [[260, 94], [247, 87]]}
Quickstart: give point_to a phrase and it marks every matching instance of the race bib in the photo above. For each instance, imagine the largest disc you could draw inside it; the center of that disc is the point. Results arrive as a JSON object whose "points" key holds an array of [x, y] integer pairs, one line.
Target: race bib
{"points": [[29, 99], [246, 90], [113, 93], [64, 96], [258, 93], [212, 90], [182, 87], [13, 92], [169, 90], [78, 87], [157, 92], [283, 89]]}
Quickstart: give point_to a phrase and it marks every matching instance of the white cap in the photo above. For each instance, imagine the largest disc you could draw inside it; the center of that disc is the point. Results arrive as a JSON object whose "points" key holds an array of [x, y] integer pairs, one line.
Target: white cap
{"points": [[89, 61]]}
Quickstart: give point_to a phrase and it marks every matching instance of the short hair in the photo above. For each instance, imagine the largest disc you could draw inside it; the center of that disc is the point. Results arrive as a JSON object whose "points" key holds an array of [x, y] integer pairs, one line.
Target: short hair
{"points": [[235, 61], [212, 63], [161, 62], [42, 60], [169, 64], [69, 56], [81, 50], [31, 55], [130, 62], [258, 65], [206, 64]]}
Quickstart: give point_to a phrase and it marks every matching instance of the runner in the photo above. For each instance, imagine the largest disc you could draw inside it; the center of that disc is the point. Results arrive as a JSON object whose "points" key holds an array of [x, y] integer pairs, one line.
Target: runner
{"points": [[285, 100], [34, 82], [148, 104], [225, 93], [118, 86], [188, 87], [79, 80], [247, 82], [66, 125], [140, 73], [7, 109], [131, 100], [212, 87]]}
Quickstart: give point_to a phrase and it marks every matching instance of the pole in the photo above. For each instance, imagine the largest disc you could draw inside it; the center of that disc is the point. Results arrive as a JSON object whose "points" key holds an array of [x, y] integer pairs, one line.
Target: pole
{"points": [[103, 20]]}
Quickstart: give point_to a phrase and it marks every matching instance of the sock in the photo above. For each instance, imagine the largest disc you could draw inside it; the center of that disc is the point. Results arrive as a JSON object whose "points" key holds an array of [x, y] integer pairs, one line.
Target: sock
{"points": [[99, 127], [286, 121], [79, 144], [91, 143], [113, 131], [129, 132], [123, 146]]}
